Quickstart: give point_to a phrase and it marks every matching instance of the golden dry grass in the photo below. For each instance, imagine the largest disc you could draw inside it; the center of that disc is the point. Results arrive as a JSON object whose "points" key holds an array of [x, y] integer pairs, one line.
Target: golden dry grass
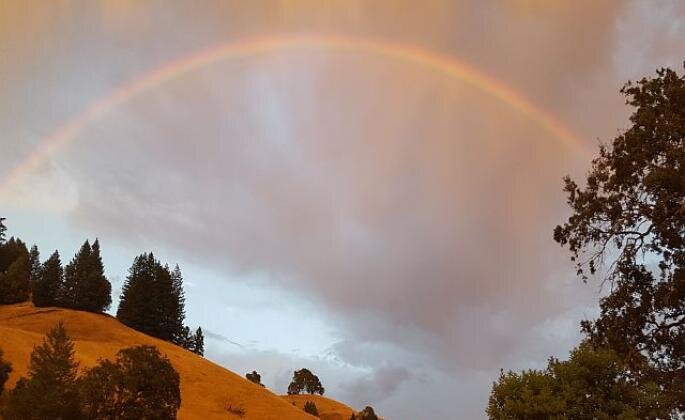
{"points": [[207, 390], [328, 409]]}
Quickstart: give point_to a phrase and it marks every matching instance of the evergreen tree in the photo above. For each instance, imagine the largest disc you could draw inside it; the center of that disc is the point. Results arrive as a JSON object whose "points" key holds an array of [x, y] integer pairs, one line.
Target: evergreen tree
{"points": [[3, 229], [366, 414], [34, 264], [151, 301], [14, 283], [50, 390], [199, 342], [141, 384], [85, 285], [5, 370], [47, 290], [10, 251]]}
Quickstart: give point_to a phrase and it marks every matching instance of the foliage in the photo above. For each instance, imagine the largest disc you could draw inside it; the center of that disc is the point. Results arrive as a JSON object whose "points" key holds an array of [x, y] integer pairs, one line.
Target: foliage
{"points": [[14, 283], [632, 213], [85, 285], [310, 408], [592, 384], [47, 289], [3, 229], [305, 381], [366, 414], [254, 377], [50, 389], [5, 370], [34, 265], [141, 384], [198, 342], [152, 301]]}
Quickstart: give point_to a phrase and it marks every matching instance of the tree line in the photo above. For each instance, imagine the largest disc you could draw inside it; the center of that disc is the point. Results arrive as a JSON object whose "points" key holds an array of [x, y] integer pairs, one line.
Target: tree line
{"points": [[152, 299], [627, 227]]}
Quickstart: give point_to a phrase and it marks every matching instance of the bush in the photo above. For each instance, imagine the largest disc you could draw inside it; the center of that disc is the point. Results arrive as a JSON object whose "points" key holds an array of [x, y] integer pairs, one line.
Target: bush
{"points": [[366, 414], [310, 408], [141, 384], [254, 377]]}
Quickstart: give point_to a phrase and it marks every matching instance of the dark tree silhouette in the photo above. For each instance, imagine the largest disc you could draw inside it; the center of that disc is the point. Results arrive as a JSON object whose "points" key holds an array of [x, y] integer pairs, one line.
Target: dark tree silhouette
{"points": [[85, 286], [50, 391], [3, 229], [141, 384], [152, 301], [198, 342], [254, 377], [48, 289], [34, 265], [366, 414], [631, 214], [14, 283], [5, 370], [305, 381]]}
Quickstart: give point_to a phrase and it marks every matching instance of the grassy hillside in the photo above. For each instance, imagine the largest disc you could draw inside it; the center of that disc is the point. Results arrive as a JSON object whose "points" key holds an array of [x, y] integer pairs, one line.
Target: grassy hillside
{"points": [[207, 390]]}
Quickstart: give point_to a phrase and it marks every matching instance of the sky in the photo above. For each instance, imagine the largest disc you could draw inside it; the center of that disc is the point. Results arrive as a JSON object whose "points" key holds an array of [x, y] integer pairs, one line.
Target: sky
{"points": [[378, 220]]}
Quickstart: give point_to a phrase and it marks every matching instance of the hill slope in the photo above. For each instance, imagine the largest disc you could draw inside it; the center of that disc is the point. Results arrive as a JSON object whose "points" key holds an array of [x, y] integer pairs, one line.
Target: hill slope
{"points": [[207, 389], [328, 409]]}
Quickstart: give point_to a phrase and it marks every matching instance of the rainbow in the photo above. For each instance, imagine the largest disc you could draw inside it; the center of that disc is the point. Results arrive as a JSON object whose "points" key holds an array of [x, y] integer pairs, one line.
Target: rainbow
{"points": [[440, 63]]}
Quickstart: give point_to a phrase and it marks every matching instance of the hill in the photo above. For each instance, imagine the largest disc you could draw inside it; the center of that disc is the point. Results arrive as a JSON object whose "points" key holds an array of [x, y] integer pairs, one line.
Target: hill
{"points": [[328, 409], [207, 389]]}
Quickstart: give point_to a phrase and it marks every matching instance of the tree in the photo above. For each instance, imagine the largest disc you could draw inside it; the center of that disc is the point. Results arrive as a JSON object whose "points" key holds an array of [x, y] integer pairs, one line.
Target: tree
{"points": [[85, 286], [14, 283], [34, 264], [254, 377], [3, 229], [48, 288], [50, 391], [631, 213], [11, 251], [152, 301], [310, 408], [5, 370], [366, 414], [198, 342], [592, 384], [141, 384], [305, 380]]}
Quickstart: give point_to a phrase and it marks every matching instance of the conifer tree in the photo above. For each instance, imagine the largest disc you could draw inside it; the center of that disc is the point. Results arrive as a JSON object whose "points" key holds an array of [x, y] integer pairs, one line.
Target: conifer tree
{"points": [[85, 285], [34, 264], [50, 390], [199, 342], [47, 290], [3, 229], [152, 300], [14, 283]]}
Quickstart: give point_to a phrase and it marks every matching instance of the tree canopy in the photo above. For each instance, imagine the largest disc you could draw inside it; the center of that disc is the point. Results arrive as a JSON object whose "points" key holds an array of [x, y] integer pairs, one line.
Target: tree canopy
{"points": [[85, 285], [630, 215], [48, 288], [305, 381]]}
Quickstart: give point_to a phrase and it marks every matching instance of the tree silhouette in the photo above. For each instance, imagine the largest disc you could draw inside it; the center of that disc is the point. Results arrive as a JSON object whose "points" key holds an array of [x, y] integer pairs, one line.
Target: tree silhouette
{"points": [[47, 290], [141, 384], [50, 391], [34, 264], [366, 414], [3, 229], [254, 377], [305, 381], [631, 213], [85, 285]]}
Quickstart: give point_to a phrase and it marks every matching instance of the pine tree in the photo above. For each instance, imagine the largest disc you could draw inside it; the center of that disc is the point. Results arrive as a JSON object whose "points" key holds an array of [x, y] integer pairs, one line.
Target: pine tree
{"points": [[3, 229], [14, 283], [199, 342], [50, 390], [47, 290], [85, 285], [34, 264], [152, 300]]}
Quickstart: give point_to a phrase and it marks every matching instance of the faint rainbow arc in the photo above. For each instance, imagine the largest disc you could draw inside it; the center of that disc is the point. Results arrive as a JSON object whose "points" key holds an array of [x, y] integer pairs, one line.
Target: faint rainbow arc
{"points": [[435, 61]]}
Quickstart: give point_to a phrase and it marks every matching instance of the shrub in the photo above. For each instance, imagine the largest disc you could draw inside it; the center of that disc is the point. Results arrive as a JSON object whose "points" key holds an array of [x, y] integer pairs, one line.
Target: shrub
{"points": [[310, 408]]}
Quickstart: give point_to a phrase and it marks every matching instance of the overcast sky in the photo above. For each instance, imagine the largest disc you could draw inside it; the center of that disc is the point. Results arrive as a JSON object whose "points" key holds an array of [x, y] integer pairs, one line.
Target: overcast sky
{"points": [[381, 223]]}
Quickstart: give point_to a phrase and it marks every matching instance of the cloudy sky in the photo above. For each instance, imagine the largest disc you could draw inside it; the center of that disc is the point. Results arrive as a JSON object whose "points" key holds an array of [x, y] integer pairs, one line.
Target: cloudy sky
{"points": [[375, 219]]}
